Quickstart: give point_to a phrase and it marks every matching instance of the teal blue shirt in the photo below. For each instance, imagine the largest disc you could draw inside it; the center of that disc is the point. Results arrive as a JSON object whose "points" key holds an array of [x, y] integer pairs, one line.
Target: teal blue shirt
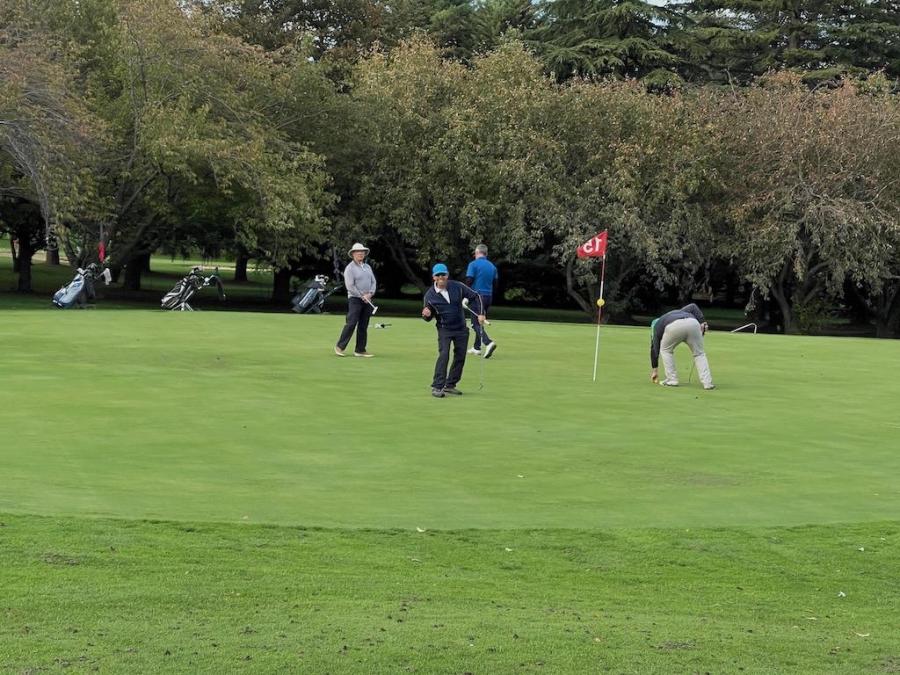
{"points": [[483, 273]]}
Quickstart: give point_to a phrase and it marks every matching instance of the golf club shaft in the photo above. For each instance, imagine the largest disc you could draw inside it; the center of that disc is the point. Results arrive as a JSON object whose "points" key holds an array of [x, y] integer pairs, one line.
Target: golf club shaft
{"points": [[481, 374], [369, 303], [486, 322]]}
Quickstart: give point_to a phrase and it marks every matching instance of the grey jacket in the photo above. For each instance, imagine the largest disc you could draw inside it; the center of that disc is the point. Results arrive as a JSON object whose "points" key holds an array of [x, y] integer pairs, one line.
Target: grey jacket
{"points": [[359, 280], [658, 327]]}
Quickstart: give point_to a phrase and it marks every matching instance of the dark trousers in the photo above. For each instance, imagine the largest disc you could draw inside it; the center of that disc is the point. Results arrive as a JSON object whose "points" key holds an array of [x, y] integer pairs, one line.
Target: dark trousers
{"points": [[358, 313], [481, 336], [459, 340]]}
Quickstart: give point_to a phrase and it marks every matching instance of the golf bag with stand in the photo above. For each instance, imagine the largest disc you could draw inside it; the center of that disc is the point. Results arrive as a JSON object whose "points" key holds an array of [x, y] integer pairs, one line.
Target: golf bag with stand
{"points": [[80, 291], [310, 299], [184, 290]]}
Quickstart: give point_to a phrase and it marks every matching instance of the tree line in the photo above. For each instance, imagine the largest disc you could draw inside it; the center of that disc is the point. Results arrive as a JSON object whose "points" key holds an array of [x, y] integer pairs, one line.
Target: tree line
{"points": [[274, 131]]}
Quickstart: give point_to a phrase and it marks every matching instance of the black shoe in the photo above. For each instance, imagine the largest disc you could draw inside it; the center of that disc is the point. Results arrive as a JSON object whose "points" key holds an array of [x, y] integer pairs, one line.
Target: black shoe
{"points": [[453, 391], [437, 393], [489, 350]]}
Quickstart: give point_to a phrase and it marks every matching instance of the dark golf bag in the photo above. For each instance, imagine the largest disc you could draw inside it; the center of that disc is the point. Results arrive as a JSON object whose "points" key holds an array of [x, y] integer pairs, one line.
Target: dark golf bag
{"points": [[80, 291], [311, 298], [184, 290]]}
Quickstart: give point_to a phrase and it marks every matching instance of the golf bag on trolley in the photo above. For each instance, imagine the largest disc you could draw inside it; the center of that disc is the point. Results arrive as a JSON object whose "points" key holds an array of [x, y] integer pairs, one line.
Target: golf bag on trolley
{"points": [[184, 290], [80, 291], [310, 299]]}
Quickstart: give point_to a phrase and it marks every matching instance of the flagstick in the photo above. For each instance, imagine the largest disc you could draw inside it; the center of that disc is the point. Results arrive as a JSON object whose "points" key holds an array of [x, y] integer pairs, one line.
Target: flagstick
{"points": [[599, 315]]}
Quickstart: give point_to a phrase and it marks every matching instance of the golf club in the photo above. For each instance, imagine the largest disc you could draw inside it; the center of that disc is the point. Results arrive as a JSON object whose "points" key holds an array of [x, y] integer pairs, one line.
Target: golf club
{"points": [[374, 308], [382, 325], [481, 375], [465, 303]]}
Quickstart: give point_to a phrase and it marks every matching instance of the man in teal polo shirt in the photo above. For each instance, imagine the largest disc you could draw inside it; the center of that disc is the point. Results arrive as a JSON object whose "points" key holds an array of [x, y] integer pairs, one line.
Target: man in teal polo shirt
{"points": [[480, 277]]}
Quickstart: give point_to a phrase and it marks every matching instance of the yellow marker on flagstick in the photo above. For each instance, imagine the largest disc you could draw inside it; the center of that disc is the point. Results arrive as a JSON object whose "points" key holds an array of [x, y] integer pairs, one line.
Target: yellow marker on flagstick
{"points": [[595, 247]]}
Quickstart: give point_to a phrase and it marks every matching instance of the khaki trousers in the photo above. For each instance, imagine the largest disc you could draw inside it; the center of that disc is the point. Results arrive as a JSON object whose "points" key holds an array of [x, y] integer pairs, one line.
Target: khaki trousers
{"points": [[684, 330]]}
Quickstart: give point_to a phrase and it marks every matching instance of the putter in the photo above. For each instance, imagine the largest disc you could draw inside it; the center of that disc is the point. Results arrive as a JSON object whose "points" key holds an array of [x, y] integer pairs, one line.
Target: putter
{"points": [[465, 303], [691, 374], [382, 325], [481, 375], [374, 308]]}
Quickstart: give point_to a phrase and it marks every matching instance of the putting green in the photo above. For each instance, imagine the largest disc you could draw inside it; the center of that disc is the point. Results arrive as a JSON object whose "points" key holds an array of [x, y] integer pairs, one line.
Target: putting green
{"points": [[251, 418]]}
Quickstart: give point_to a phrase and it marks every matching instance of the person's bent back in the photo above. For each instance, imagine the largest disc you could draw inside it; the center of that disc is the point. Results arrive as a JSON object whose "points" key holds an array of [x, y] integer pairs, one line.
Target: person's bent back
{"points": [[667, 332]]}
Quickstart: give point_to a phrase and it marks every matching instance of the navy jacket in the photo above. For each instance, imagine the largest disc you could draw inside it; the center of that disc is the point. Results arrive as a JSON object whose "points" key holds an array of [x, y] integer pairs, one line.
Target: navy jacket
{"points": [[451, 316], [658, 327]]}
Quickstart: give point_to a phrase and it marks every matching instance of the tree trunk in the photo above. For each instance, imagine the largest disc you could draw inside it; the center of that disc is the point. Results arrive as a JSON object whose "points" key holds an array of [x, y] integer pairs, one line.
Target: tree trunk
{"points": [[763, 314], [52, 243], [886, 329], [859, 309], [784, 305], [781, 294], [23, 284], [133, 270], [63, 242], [887, 319], [14, 253], [281, 286], [731, 288], [240, 268], [132, 276], [574, 294], [687, 288], [398, 253]]}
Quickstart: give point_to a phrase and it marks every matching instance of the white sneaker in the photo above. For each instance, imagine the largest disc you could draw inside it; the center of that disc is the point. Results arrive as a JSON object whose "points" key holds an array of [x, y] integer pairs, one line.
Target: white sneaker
{"points": [[477, 352], [489, 349], [668, 383]]}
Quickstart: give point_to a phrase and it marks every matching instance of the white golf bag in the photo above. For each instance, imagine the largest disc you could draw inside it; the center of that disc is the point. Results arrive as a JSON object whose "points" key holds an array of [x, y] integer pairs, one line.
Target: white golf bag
{"points": [[80, 291]]}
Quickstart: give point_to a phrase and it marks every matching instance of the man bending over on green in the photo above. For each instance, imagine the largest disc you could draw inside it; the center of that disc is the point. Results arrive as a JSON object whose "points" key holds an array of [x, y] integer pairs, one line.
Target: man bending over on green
{"points": [[669, 331]]}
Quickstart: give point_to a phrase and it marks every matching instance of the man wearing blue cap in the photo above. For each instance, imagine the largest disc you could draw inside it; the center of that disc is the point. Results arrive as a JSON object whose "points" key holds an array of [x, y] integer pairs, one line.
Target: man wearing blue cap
{"points": [[444, 302]]}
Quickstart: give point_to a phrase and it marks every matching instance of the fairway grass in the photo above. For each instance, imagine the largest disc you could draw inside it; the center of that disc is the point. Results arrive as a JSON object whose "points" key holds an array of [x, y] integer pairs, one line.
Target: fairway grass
{"points": [[218, 492], [128, 596]]}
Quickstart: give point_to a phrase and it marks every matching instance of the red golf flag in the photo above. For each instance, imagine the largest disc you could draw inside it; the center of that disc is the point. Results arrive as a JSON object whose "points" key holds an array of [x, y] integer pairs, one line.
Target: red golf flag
{"points": [[101, 251], [595, 247]]}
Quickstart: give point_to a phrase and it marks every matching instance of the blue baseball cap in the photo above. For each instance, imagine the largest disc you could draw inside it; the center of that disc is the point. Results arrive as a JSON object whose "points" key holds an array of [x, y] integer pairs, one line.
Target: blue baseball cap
{"points": [[440, 268]]}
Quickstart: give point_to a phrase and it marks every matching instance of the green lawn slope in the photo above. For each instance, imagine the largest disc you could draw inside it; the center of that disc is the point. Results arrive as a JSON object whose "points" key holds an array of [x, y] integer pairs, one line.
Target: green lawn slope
{"points": [[247, 417], [217, 492]]}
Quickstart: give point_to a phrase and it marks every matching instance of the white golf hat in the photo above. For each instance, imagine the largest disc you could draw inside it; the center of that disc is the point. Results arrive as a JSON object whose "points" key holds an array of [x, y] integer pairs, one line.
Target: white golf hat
{"points": [[357, 247]]}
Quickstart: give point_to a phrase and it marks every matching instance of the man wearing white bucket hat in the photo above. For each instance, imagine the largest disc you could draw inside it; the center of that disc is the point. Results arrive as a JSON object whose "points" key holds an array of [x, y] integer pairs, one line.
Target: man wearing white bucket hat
{"points": [[360, 283]]}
